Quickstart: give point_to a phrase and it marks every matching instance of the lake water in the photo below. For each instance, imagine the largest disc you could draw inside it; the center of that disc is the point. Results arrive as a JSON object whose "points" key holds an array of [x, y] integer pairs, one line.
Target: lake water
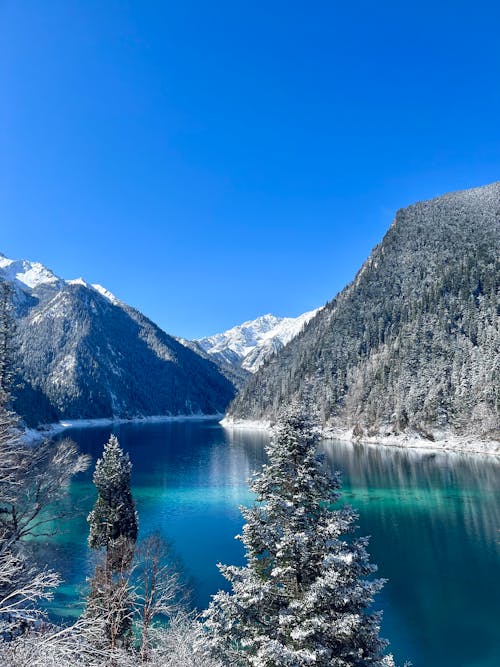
{"points": [[434, 522]]}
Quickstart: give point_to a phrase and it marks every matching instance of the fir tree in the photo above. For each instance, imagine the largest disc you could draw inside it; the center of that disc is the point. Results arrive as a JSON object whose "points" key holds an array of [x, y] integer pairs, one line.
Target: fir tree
{"points": [[113, 520], [7, 341], [113, 527], [303, 597]]}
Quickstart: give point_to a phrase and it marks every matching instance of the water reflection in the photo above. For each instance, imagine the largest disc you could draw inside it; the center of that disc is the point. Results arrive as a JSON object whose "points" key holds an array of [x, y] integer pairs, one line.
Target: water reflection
{"points": [[430, 482], [434, 522], [234, 460]]}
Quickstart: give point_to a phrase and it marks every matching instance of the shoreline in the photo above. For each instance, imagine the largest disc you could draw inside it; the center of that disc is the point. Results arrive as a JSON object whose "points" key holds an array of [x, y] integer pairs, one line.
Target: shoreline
{"points": [[447, 443], [49, 430]]}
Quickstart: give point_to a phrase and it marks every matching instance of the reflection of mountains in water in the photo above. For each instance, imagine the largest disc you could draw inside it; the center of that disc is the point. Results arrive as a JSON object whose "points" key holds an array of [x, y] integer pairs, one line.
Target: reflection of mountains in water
{"points": [[236, 458], [460, 489]]}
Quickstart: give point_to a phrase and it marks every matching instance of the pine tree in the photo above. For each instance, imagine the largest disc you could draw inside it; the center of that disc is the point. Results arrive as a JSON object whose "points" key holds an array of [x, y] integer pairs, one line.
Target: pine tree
{"points": [[7, 342], [113, 527], [304, 594], [113, 519]]}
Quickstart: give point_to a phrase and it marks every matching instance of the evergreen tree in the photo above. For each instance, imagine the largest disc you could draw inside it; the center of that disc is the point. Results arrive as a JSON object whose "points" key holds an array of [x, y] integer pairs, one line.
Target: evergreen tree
{"points": [[302, 597], [7, 342], [113, 520], [113, 527]]}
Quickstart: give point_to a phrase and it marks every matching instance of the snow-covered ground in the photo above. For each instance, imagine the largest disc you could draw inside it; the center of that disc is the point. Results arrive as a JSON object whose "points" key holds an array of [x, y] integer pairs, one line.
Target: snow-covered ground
{"points": [[443, 442], [251, 343]]}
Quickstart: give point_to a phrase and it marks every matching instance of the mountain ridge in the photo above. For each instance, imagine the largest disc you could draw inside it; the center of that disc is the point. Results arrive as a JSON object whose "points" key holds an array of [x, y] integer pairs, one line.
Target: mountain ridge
{"points": [[412, 343], [251, 343], [85, 354]]}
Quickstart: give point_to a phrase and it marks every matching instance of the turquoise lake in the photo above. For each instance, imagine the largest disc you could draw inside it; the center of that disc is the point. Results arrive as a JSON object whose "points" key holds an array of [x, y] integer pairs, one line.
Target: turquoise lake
{"points": [[434, 522]]}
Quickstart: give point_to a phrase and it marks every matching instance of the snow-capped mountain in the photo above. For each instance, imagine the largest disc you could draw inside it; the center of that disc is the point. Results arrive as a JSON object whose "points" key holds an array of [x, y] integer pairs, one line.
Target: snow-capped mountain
{"points": [[24, 274], [250, 344], [86, 354], [106, 293]]}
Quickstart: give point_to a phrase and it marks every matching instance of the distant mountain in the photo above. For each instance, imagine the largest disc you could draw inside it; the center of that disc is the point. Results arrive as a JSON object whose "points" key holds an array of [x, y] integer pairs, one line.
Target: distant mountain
{"points": [[85, 354], [250, 344], [413, 343], [237, 375]]}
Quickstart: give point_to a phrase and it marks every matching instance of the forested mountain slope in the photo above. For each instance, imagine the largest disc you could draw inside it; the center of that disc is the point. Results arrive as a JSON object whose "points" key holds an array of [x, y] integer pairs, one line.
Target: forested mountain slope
{"points": [[85, 354], [413, 343]]}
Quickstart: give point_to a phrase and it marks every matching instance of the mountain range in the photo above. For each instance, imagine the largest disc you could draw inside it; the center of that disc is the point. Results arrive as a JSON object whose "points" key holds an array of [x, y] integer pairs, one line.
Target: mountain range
{"points": [[250, 344], [83, 353], [412, 345]]}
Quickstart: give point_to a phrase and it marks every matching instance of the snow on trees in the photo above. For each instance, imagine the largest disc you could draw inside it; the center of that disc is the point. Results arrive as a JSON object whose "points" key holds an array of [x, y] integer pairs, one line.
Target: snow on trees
{"points": [[303, 597], [113, 519], [33, 481], [113, 527]]}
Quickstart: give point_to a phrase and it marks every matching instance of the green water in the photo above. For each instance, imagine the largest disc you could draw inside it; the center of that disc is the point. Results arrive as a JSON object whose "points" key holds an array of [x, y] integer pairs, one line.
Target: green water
{"points": [[434, 522]]}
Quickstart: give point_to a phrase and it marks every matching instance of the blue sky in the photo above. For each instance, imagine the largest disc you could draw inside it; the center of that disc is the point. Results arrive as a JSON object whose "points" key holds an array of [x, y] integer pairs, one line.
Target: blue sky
{"points": [[210, 162]]}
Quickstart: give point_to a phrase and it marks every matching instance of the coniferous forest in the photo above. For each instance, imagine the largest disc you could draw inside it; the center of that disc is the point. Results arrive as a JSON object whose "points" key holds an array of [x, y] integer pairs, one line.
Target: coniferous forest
{"points": [[412, 344], [410, 347]]}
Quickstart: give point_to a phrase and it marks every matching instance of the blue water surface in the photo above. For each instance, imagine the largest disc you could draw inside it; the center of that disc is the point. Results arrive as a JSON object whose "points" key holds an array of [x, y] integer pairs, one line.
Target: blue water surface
{"points": [[434, 522]]}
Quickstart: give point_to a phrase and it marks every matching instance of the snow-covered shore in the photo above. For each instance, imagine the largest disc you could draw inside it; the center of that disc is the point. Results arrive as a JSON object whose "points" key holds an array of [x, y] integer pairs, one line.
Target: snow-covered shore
{"points": [[443, 441], [49, 430]]}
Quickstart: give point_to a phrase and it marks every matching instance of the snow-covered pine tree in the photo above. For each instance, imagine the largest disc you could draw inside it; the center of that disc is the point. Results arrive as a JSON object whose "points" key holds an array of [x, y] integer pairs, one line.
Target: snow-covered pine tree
{"points": [[113, 527], [7, 341], [304, 596], [113, 519]]}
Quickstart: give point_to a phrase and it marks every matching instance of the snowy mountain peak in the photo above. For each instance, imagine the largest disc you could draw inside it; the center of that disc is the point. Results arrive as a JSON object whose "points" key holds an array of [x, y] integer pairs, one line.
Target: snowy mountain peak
{"points": [[25, 273], [106, 293], [249, 344], [75, 346], [78, 281]]}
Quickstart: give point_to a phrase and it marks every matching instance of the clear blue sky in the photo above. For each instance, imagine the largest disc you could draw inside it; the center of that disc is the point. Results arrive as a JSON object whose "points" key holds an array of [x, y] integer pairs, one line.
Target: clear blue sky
{"points": [[212, 161]]}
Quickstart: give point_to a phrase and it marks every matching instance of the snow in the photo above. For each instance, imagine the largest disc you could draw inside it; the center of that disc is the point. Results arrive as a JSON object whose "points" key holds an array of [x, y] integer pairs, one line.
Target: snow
{"points": [[78, 281], [28, 274], [443, 442], [252, 342], [242, 338], [106, 293], [97, 288], [64, 373], [246, 424], [23, 273], [57, 307]]}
